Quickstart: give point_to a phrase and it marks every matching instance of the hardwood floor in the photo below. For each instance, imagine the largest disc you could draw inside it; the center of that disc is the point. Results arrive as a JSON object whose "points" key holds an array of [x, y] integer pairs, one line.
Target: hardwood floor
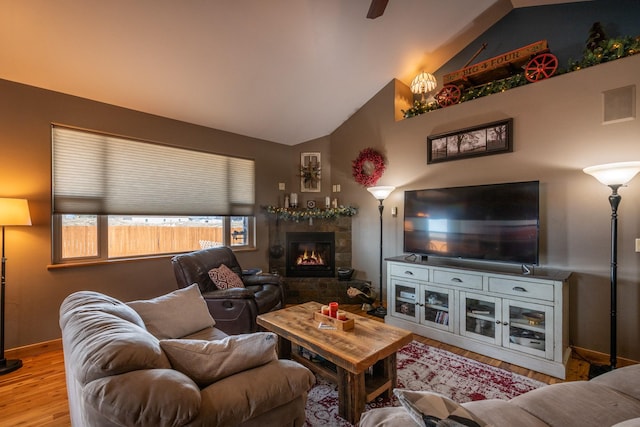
{"points": [[36, 394]]}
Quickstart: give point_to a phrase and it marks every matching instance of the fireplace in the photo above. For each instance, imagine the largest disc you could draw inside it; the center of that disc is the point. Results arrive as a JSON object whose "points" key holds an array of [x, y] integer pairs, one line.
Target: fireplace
{"points": [[278, 244], [310, 254]]}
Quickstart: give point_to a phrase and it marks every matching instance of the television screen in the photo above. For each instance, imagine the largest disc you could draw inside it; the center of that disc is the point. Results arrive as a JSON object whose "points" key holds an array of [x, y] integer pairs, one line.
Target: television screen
{"points": [[498, 222]]}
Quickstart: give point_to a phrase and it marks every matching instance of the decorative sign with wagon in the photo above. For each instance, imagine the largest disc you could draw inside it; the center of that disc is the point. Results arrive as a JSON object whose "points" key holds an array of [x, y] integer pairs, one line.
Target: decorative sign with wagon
{"points": [[536, 59]]}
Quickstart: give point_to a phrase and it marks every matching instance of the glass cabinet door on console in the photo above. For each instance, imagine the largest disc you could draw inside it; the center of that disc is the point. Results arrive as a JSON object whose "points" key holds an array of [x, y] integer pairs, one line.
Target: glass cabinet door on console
{"points": [[405, 300], [436, 307], [480, 317], [528, 328]]}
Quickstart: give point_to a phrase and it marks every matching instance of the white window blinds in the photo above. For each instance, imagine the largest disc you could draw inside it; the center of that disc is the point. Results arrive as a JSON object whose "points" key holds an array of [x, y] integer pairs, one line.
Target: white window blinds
{"points": [[102, 174]]}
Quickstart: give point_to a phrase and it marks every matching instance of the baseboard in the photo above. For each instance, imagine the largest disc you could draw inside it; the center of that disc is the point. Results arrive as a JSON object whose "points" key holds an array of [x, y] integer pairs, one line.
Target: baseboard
{"points": [[32, 350], [598, 358]]}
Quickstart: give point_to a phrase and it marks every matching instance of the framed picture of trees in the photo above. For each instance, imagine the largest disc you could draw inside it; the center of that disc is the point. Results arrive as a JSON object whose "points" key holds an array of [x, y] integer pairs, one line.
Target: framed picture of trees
{"points": [[490, 138]]}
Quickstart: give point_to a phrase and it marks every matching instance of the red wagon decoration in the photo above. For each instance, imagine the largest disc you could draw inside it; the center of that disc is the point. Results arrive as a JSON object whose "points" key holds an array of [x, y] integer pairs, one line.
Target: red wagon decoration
{"points": [[536, 60]]}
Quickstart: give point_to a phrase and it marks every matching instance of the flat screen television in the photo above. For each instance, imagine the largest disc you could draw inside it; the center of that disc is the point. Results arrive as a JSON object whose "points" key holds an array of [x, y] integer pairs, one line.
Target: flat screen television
{"points": [[497, 222]]}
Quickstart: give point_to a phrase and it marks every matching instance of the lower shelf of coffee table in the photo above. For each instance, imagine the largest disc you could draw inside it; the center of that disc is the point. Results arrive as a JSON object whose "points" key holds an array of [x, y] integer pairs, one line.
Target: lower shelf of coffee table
{"points": [[375, 384]]}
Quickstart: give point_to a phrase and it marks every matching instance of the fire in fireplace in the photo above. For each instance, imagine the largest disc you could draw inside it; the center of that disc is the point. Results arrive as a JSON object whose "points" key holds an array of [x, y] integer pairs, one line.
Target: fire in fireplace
{"points": [[310, 257], [310, 254]]}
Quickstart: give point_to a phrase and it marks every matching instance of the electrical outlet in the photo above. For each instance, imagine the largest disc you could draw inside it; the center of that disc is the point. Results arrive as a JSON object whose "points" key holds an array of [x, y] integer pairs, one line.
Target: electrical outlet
{"points": [[394, 211], [281, 186], [637, 245]]}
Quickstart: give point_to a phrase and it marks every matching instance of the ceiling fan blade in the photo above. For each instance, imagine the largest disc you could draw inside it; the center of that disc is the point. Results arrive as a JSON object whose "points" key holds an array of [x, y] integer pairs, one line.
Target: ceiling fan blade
{"points": [[377, 8]]}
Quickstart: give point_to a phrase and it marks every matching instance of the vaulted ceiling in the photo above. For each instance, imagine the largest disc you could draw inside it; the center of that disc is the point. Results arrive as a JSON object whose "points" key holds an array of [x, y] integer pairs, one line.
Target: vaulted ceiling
{"points": [[286, 71]]}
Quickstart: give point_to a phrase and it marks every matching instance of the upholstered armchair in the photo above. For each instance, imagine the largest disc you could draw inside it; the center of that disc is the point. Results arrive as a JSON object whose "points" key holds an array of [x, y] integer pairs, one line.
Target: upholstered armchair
{"points": [[234, 309]]}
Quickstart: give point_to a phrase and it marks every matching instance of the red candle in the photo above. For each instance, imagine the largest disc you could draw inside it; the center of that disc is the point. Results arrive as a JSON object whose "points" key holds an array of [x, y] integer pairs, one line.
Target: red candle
{"points": [[325, 310], [333, 309], [342, 315]]}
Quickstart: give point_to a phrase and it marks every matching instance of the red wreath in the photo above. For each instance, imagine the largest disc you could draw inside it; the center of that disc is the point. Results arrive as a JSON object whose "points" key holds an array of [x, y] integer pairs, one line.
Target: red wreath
{"points": [[368, 167]]}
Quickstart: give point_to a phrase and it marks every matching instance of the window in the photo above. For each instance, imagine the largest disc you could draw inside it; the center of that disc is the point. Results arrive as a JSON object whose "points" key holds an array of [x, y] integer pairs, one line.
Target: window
{"points": [[115, 198], [133, 236]]}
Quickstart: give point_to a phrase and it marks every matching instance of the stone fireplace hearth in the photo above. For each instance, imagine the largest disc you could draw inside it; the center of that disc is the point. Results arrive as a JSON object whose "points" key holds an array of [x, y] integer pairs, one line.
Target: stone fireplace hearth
{"points": [[313, 288], [278, 252]]}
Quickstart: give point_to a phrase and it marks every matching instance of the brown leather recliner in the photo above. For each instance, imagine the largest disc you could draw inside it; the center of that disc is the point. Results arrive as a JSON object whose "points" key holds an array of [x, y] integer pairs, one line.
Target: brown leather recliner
{"points": [[235, 309]]}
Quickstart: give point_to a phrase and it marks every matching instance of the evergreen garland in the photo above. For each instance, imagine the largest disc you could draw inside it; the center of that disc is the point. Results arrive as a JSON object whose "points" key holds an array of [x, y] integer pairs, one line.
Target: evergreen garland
{"points": [[607, 50], [305, 214]]}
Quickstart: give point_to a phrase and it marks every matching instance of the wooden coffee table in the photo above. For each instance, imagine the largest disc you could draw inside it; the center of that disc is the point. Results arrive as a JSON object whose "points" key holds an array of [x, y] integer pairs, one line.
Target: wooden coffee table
{"points": [[370, 344]]}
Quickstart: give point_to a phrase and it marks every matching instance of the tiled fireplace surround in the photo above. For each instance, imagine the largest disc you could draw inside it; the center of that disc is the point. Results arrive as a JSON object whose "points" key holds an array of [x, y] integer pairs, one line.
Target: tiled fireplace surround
{"points": [[320, 289]]}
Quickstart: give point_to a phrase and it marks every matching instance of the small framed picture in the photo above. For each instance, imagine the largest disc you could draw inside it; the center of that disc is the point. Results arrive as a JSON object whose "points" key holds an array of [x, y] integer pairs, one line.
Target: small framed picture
{"points": [[310, 172]]}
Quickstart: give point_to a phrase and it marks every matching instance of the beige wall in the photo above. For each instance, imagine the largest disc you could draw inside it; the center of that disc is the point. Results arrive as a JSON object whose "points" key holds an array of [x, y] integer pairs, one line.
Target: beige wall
{"points": [[34, 292], [558, 131]]}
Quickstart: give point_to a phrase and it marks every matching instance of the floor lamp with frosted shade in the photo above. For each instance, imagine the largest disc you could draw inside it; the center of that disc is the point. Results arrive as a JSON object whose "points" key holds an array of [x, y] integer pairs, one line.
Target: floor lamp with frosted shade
{"points": [[613, 175], [12, 212], [380, 193]]}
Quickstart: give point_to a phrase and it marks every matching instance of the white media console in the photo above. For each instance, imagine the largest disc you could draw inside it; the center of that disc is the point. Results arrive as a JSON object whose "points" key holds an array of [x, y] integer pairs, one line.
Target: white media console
{"points": [[498, 312]]}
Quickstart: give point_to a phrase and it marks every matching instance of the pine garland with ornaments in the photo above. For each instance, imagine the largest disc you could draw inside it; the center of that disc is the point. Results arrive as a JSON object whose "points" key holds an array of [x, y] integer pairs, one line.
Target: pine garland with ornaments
{"points": [[287, 214]]}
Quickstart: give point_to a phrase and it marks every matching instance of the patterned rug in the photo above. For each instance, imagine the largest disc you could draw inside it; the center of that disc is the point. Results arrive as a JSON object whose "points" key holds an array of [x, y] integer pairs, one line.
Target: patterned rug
{"points": [[422, 367]]}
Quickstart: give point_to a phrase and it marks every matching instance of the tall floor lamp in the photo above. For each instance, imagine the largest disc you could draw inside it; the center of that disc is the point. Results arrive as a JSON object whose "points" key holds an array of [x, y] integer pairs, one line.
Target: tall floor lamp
{"points": [[380, 193], [614, 175], [12, 212]]}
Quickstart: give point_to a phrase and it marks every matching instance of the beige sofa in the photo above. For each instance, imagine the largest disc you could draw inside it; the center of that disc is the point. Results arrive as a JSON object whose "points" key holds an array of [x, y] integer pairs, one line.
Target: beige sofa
{"points": [[611, 399], [162, 362]]}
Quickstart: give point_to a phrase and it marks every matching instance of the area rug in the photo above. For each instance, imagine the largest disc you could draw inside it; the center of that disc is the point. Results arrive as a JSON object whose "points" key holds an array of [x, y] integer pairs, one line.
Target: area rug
{"points": [[422, 367]]}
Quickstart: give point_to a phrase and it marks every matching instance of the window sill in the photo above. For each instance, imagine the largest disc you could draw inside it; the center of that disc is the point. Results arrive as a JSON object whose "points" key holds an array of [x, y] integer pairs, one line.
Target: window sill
{"points": [[94, 262]]}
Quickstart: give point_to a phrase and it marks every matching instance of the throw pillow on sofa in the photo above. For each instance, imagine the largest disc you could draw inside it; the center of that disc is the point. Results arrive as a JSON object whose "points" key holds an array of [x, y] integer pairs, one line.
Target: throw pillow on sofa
{"points": [[224, 278], [176, 314], [206, 362], [147, 397], [430, 409]]}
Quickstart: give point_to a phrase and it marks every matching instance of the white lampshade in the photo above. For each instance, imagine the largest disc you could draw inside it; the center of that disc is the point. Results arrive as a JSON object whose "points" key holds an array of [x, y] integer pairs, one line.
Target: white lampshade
{"points": [[614, 173], [423, 83], [381, 192], [14, 212]]}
